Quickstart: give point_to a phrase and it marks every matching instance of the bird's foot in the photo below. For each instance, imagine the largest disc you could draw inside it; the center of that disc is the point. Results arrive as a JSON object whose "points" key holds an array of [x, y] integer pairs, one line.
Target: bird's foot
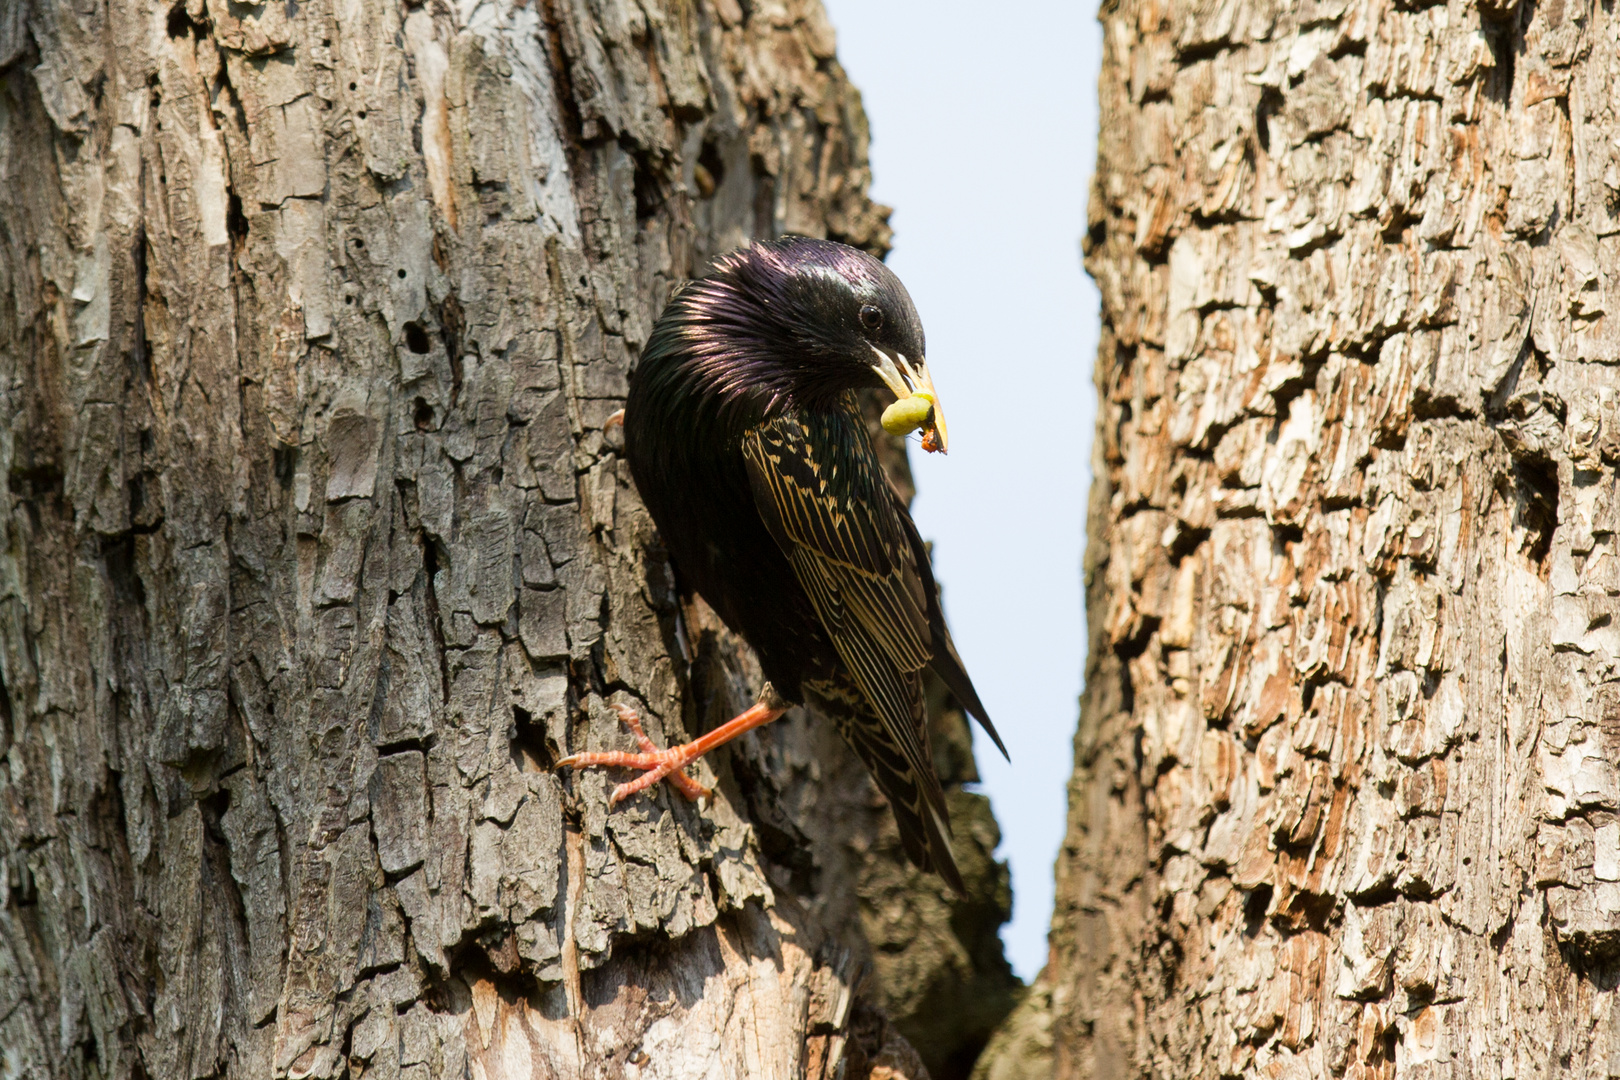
{"points": [[659, 764]]}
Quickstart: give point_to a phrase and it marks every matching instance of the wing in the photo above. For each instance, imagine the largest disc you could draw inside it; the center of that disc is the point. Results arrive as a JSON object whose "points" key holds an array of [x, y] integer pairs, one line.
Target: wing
{"points": [[854, 546], [821, 494]]}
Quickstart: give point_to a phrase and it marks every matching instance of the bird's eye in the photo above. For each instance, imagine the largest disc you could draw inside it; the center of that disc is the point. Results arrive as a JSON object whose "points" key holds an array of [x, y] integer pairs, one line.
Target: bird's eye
{"points": [[871, 317]]}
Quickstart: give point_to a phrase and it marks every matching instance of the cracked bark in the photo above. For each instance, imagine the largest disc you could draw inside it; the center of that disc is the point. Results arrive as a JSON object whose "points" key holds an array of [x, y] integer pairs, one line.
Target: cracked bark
{"points": [[1345, 792], [317, 557]]}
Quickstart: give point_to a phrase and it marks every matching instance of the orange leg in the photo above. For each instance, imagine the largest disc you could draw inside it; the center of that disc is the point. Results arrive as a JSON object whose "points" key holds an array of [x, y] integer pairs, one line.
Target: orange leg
{"points": [[660, 764]]}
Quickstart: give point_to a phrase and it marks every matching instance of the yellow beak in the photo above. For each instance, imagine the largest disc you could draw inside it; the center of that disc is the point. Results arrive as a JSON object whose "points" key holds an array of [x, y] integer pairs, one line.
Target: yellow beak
{"points": [[908, 380]]}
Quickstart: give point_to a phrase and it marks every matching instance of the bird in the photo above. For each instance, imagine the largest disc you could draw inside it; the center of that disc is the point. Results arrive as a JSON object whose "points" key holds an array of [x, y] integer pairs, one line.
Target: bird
{"points": [[745, 440]]}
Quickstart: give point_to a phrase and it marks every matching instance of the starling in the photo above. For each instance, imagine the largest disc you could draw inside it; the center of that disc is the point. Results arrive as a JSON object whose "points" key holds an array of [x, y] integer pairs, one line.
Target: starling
{"points": [[745, 440]]}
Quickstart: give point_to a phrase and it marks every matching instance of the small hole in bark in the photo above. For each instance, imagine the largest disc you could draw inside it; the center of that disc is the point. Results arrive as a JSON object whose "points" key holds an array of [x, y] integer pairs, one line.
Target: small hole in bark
{"points": [[137, 495], [1390, 1037], [1254, 909], [649, 191], [529, 749], [424, 415], [416, 338], [709, 161], [359, 243], [236, 222], [1537, 509], [1505, 51], [215, 806], [284, 459], [349, 300], [1269, 105], [362, 115], [179, 21], [402, 273], [354, 86]]}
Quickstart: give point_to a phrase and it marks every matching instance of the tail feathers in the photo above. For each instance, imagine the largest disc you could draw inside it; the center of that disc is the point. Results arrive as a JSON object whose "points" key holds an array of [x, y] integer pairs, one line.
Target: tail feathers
{"points": [[954, 675], [926, 838], [915, 797], [925, 829]]}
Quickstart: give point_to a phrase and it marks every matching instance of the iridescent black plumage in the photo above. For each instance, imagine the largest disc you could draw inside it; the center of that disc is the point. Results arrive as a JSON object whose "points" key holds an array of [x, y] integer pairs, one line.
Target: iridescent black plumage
{"points": [[745, 442]]}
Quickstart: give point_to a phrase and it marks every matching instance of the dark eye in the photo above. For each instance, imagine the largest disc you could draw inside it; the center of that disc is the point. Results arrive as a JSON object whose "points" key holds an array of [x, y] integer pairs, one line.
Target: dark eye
{"points": [[871, 317]]}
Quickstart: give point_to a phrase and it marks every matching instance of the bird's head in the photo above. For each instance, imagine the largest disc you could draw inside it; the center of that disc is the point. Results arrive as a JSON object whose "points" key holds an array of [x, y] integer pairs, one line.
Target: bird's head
{"points": [[797, 322]]}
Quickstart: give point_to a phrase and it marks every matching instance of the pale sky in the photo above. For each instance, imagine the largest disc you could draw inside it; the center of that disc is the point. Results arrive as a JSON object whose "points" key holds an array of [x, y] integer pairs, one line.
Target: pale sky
{"points": [[984, 131]]}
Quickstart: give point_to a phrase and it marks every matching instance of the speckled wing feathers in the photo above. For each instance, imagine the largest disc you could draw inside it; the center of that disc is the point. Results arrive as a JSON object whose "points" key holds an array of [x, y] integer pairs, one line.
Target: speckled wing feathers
{"points": [[833, 515], [843, 523]]}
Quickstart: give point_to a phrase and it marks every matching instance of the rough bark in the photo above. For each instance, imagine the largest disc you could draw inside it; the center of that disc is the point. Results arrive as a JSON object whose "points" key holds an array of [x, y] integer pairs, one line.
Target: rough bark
{"points": [[316, 556], [1345, 792]]}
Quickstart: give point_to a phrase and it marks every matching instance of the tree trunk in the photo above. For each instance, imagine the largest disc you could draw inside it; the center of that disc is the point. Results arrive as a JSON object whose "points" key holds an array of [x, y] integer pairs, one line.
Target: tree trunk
{"points": [[317, 556], [1345, 795]]}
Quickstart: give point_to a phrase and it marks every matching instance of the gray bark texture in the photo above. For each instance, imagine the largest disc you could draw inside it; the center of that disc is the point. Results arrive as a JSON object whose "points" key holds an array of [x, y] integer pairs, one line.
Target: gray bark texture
{"points": [[316, 556], [1346, 786]]}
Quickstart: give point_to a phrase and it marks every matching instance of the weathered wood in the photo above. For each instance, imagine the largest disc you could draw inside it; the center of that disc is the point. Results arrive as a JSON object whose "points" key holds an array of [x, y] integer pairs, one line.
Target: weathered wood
{"points": [[1345, 792], [317, 556]]}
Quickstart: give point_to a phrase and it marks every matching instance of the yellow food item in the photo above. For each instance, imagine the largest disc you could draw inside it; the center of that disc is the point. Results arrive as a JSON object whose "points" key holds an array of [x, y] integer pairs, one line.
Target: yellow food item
{"points": [[908, 414]]}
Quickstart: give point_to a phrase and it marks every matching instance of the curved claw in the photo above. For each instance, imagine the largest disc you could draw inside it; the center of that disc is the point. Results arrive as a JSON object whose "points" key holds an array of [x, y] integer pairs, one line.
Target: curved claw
{"points": [[658, 764]]}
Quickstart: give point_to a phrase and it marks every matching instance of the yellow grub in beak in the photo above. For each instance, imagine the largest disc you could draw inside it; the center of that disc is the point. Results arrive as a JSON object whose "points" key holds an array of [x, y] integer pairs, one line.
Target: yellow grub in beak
{"points": [[908, 414], [916, 405]]}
